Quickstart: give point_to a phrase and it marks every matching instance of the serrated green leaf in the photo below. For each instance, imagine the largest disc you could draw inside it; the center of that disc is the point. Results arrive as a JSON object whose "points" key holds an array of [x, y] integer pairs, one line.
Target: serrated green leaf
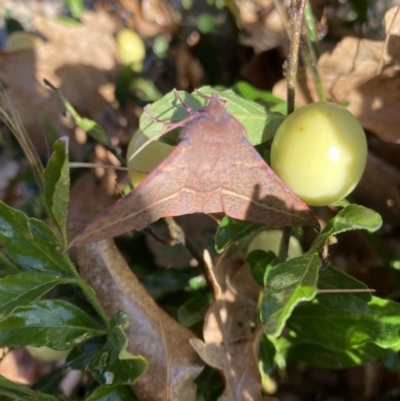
{"points": [[54, 323], [287, 285], [30, 243], [231, 231], [320, 356], [118, 393], [194, 309], [343, 331], [56, 187], [20, 392], [112, 364], [259, 262], [352, 217], [20, 289], [332, 279], [260, 124]]}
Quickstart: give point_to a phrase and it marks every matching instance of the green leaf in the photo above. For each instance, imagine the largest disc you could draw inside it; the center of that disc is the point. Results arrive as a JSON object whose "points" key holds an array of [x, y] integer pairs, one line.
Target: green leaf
{"points": [[260, 264], [252, 93], [287, 285], [112, 364], [332, 279], [260, 124], [54, 323], [231, 231], [76, 7], [343, 331], [81, 355], [320, 356], [20, 289], [352, 217], [266, 355], [89, 126], [194, 309], [56, 187], [30, 243], [118, 393], [19, 392]]}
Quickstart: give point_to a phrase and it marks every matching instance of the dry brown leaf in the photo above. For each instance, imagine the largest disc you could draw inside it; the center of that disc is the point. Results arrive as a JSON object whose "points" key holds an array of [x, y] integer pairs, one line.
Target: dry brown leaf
{"points": [[263, 25], [190, 72], [229, 341], [151, 17], [21, 367], [365, 73], [173, 364], [81, 60], [379, 189]]}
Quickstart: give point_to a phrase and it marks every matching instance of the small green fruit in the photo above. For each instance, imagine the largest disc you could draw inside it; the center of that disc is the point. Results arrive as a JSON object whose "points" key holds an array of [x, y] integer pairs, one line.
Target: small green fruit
{"points": [[270, 240], [47, 354], [320, 152], [21, 41], [131, 48], [147, 159]]}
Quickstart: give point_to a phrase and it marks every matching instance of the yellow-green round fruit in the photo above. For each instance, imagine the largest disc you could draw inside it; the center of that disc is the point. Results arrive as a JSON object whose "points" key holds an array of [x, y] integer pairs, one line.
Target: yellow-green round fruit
{"points": [[47, 354], [270, 240], [131, 48], [320, 152], [21, 41], [147, 159]]}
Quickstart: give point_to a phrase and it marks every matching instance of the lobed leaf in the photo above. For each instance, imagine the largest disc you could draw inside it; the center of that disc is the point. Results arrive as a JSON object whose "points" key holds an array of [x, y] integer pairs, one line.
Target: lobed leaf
{"points": [[56, 187], [112, 364], [54, 323], [287, 285], [30, 243]]}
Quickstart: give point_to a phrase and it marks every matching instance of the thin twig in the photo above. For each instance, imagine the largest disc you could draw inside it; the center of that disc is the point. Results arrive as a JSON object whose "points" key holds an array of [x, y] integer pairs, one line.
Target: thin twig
{"points": [[179, 236], [340, 291], [107, 166], [296, 15]]}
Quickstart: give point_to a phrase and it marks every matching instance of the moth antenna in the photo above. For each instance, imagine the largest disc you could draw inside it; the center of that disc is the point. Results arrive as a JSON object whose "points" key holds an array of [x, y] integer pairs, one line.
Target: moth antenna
{"points": [[184, 104], [208, 97]]}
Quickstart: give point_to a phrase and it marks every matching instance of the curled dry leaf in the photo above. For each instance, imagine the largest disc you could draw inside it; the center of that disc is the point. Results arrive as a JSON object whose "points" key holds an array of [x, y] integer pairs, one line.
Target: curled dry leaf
{"points": [[364, 73], [263, 24], [80, 59], [173, 364], [230, 344], [151, 17]]}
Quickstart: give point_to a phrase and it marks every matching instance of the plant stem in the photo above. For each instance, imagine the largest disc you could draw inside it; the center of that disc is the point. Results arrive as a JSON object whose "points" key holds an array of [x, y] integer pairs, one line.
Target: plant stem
{"points": [[296, 15], [284, 246], [88, 291]]}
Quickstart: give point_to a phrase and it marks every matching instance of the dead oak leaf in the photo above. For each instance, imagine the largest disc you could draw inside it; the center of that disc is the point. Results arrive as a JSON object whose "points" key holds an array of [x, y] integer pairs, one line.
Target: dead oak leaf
{"points": [[364, 73], [173, 364], [230, 344], [80, 59]]}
